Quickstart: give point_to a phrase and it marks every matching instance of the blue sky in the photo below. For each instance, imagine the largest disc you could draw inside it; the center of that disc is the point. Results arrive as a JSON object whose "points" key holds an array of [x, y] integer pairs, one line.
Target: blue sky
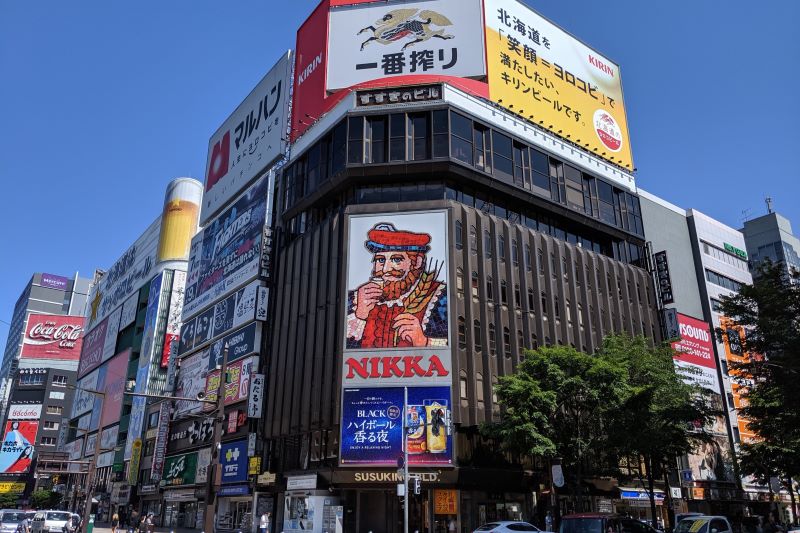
{"points": [[102, 103]]}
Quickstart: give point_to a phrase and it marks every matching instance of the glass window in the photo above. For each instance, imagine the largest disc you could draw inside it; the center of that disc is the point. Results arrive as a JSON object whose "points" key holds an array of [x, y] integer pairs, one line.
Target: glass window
{"points": [[474, 281], [440, 134], [487, 244], [517, 296], [522, 164], [473, 240], [461, 137], [459, 235], [355, 136], [503, 163], [482, 155], [460, 281], [501, 247], [492, 340], [476, 333], [60, 381], [504, 292], [397, 137], [338, 148], [489, 289], [419, 136], [54, 409], [507, 342], [462, 333], [528, 261]]}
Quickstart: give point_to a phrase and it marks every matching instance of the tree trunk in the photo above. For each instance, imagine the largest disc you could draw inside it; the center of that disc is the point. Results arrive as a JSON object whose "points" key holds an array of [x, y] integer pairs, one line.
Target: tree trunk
{"points": [[651, 491], [669, 502], [794, 503]]}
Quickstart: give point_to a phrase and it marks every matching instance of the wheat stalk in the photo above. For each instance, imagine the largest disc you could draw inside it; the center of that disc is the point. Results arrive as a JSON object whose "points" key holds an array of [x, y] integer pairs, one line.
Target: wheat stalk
{"points": [[417, 300]]}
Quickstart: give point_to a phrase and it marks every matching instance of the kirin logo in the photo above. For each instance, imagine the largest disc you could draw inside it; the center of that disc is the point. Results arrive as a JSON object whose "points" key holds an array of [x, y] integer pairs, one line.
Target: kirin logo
{"points": [[220, 160], [414, 24]]}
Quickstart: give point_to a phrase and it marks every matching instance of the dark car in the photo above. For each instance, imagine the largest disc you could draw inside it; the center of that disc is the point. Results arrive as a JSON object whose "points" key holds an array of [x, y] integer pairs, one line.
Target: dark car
{"points": [[602, 523]]}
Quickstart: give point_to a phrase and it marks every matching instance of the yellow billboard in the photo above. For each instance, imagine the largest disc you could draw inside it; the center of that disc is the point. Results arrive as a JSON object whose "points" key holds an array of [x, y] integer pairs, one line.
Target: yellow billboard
{"points": [[10, 487], [542, 73]]}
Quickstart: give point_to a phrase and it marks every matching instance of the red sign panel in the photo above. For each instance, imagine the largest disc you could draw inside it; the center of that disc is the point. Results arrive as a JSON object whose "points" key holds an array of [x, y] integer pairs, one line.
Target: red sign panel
{"points": [[695, 345], [311, 60], [53, 337]]}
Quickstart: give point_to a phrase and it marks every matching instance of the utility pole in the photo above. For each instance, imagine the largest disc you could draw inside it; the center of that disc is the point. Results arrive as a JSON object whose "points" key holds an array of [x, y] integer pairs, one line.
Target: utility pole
{"points": [[93, 463], [219, 412], [405, 459]]}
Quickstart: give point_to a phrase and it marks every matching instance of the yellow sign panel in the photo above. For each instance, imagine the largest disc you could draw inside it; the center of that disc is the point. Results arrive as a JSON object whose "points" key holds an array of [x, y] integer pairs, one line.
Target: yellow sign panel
{"points": [[12, 488], [254, 466], [542, 73], [445, 501]]}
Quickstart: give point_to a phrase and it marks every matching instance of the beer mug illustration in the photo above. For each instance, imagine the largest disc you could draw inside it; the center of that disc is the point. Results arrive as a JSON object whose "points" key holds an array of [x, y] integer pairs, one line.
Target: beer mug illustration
{"points": [[435, 414], [415, 422]]}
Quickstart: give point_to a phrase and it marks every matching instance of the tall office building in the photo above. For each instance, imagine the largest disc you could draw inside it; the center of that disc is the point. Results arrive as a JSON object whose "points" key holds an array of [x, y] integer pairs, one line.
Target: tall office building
{"points": [[770, 237], [43, 294]]}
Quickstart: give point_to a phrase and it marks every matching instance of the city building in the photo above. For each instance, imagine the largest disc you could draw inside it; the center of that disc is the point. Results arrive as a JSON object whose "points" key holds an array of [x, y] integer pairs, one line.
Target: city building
{"points": [[770, 237], [430, 226], [132, 323], [45, 294]]}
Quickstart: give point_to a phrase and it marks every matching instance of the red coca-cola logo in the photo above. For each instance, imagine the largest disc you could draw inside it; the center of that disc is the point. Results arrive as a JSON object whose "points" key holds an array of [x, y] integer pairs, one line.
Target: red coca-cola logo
{"points": [[49, 332]]}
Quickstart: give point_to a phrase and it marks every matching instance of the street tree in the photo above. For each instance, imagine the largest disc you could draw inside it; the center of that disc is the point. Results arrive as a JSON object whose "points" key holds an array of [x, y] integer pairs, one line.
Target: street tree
{"points": [[662, 416], [556, 405], [767, 314]]}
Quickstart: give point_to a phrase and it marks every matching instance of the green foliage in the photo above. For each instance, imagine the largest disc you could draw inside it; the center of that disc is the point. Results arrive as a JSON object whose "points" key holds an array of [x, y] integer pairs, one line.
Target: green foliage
{"points": [[769, 311], [45, 499], [8, 501]]}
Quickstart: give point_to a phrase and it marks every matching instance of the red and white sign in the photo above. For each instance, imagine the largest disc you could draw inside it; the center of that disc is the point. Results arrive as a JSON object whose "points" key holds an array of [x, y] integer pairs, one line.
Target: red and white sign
{"points": [[425, 367], [308, 100], [53, 337], [25, 412], [695, 353]]}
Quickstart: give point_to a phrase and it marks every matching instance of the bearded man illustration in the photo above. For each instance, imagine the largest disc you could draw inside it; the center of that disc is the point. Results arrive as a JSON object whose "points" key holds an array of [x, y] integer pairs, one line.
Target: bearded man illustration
{"points": [[404, 303]]}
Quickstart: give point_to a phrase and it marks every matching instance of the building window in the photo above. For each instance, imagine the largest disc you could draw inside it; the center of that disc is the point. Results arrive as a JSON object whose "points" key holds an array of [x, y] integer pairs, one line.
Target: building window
{"points": [[459, 235], [531, 302], [462, 385], [462, 333], [528, 261], [461, 137], [503, 156], [482, 154], [49, 424], [487, 244], [520, 341], [544, 304], [376, 139], [476, 333], [479, 385], [440, 134], [503, 292], [475, 284], [460, 282], [517, 296], [397, 137], [355, 137], [540, 168], [723, 281], [31, 379], [47, 441], [56, 395], [492, 340], [149, 447], [490, 289], [54, 410], [60, 381], [507, 342], [501, 247], [574, 184], [716, 305], [534, 341], [152, 420], [522, 164], [419, 136], [473, 240], [540, 259], [514, 252]]}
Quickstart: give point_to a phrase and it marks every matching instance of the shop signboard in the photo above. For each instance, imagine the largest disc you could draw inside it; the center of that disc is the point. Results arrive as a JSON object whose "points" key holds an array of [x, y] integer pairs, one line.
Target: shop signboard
{"points": [[203, 464], [174, 314], [17, 450], [540, 71], [25, 411], [52, 337], [92, 350], [160, 446], [129, 308], [190, 433], [108, 437], [249, 141], [51, 281], [133, 465], [694, 354], [445, 501], [83, 401], [397, 272], [372, 427], [440, 37], [114, 373], [105, 460], [11, 487], [663, 278], [256, 401], [191, 380], [180, 469], [238, 386], [233, 460], [91, 444], [125, 277], [241, 343], [227, 253]]}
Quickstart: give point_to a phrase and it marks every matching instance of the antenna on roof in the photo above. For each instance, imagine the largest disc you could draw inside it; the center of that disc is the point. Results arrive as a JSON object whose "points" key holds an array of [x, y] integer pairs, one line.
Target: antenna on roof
{"points": [[768, 200], [745, 215]]}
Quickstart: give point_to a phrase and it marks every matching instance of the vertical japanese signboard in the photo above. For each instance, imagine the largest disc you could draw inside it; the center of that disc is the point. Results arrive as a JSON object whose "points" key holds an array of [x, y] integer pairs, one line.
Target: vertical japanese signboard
{"points": [[695, 354], [538, 70], [372, 41], [250, 140]]}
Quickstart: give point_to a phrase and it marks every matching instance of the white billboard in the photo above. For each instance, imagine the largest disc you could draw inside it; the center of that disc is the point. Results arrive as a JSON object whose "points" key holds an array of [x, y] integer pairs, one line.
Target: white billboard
{"points": [[252, 138], [25, 411], [372, 41]]}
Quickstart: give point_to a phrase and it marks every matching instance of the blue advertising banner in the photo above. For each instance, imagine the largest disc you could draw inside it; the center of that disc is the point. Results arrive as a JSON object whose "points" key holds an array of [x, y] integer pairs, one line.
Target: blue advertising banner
{"points": [[372, 428], [241, 343], [227, 254], [233, 459]]}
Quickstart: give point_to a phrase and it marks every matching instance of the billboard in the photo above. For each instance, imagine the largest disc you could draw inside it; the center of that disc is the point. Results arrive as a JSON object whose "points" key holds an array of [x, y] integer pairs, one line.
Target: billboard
{"points": [[23, 411], [16, 453], [227, 253], [237, 388], [114, 374], [232, 312], [83, 401], [250, 140], [191, 380], [733, 343], [53, 337], [308, 99], [180, 469], [109, 437], [397, 327], [372, 428], [52, 281], [179, 218], [174, 314], [538, 70], [233, 460], [694, 356], [241, 343], [425, 37]]}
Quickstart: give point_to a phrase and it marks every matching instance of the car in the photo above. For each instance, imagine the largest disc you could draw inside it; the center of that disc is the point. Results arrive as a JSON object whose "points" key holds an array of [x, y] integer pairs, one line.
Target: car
{"points": [[10, 519], [506, 526], [50, 521], [704, 524], [602, 523]]}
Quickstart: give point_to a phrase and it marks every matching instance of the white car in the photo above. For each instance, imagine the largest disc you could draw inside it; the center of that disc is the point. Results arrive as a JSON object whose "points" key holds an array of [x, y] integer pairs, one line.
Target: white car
{"points": [[704, 524], [50, 521], [507, 526]]}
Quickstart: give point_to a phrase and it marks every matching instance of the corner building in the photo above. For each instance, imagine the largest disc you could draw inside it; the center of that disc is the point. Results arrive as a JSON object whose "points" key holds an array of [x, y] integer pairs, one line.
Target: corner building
{"points": [[523, 238]]}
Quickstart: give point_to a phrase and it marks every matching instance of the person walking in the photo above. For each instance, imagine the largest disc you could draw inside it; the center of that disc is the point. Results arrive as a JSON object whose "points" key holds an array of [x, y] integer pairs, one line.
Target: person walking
{"points": [[264, 523], [114, 522]]}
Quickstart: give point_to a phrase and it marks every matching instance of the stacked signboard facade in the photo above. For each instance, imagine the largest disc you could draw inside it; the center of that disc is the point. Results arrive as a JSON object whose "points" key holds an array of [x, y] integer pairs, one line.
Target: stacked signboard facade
{"points": [[132, 311], [224, 309], [427, 233]]}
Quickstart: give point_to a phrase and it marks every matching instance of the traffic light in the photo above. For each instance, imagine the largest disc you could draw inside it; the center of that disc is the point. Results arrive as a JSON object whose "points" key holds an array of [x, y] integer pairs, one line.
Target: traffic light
{"points": [[417, 485]]}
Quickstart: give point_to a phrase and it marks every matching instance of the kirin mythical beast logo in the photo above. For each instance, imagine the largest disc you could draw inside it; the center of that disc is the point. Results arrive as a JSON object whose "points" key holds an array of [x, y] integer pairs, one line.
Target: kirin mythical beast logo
{"points": [[414, 24]]}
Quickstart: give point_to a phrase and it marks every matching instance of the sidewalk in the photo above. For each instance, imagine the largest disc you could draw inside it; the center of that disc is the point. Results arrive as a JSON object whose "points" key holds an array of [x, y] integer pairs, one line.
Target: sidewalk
{"points": [[104, 527]]}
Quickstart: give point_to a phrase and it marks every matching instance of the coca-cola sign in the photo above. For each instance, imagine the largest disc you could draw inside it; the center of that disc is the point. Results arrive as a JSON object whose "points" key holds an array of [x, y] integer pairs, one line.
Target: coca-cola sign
{"points": [[53, 337], [25, 411]]}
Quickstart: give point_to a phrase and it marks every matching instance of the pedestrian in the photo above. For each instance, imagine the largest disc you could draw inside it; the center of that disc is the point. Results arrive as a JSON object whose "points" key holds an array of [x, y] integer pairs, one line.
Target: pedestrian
{"points": [[150, 522], [143, 524], [114, 522], [548, 521], [24, 525], [451, 525], [264, 524]]}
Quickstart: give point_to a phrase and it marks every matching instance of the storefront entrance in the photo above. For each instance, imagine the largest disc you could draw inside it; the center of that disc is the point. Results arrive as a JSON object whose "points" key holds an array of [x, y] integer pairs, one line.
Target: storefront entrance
{"points": [[382, 511]]}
